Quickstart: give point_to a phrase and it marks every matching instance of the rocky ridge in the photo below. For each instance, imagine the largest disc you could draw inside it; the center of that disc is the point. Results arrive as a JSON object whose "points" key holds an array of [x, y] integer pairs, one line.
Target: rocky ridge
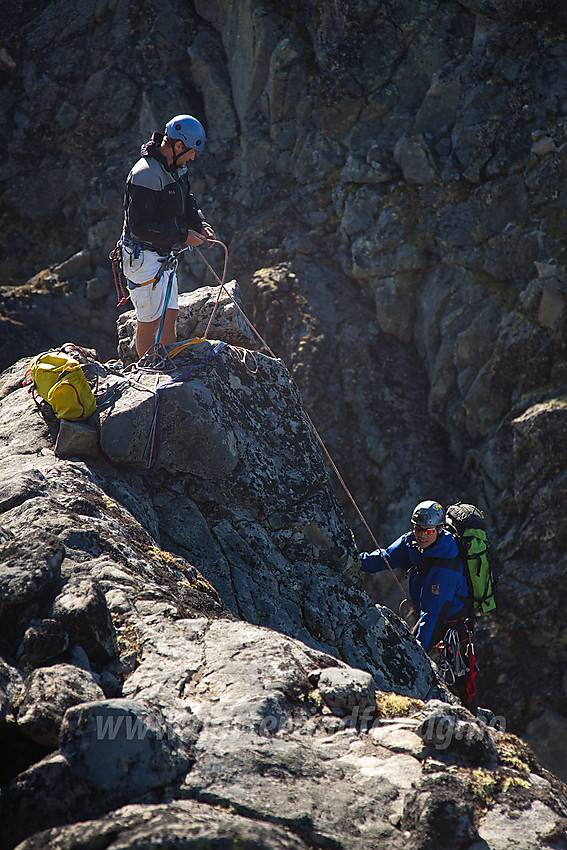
{"points": [[259, 698]]}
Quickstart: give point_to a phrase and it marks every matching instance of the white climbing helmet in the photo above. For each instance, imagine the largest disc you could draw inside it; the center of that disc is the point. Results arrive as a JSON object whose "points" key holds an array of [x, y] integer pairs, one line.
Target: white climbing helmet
{"points": [[429, 514]]}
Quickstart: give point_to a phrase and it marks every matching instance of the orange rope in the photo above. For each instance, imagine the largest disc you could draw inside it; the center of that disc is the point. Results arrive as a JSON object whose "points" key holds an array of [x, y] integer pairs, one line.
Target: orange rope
{"points": [[211, 269], [355, 506], [316, 433]]}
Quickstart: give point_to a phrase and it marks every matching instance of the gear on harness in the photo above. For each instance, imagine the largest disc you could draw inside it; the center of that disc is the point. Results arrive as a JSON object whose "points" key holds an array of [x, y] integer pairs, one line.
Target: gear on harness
{"points": [[122, 282], [115, 258], [456, 659]]}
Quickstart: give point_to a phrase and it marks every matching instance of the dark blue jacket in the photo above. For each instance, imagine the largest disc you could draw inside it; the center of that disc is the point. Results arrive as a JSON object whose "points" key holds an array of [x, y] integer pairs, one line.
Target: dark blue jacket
{"points": [[437, 582], [159, 208]]}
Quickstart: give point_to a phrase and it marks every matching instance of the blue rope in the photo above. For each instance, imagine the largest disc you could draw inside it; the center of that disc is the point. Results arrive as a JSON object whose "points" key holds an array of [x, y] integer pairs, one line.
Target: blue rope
{"points": [[167, 297]]}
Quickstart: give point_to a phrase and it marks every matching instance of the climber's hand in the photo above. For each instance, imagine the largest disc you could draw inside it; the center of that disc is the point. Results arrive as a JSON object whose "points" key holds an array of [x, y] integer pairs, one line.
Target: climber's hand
{"points": [[209, 234], [194, 239]]}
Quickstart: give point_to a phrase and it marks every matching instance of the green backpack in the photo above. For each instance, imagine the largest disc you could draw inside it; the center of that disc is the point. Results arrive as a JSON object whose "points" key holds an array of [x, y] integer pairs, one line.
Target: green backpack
{"points": [[468, 526]]}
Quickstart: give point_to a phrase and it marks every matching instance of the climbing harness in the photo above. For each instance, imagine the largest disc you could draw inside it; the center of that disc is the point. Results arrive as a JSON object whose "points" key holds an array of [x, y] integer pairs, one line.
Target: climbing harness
{"points": [[124, 283], [457, 657]]}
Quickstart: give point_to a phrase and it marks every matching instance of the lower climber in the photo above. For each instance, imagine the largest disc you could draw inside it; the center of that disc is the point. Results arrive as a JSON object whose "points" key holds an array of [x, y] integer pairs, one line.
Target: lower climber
{"points": [[439, 591]]}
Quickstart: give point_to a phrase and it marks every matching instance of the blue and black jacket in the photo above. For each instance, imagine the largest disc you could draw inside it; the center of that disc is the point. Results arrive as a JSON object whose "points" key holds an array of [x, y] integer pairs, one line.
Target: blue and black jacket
{"points": [[159, 208], [437, 582]]}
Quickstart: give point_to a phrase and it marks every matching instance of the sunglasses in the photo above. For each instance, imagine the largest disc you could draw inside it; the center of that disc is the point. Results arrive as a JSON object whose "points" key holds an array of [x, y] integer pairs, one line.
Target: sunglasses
{"points": [[426, 531]]}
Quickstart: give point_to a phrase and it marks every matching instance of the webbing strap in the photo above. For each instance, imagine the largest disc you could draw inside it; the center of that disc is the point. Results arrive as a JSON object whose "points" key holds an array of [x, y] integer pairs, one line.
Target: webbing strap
{"points": [[184, 376]]}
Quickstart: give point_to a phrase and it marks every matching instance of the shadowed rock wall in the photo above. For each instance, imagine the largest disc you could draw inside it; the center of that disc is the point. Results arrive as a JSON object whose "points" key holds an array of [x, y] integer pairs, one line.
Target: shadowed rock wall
{"points": [[390, 179]]}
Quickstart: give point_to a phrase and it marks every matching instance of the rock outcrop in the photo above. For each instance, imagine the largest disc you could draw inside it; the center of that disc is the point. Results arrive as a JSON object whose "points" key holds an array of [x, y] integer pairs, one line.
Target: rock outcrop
{"points": [[185, 662]]}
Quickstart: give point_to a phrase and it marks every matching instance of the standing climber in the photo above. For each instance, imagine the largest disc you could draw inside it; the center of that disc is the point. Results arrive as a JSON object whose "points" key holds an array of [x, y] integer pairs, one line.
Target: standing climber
{"points": [[438, 586], [161, 214]]}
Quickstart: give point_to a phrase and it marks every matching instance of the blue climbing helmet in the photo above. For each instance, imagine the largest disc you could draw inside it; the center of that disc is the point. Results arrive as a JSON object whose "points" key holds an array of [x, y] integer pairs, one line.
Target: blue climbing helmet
{"points": [[429, 514], [188, 130]]}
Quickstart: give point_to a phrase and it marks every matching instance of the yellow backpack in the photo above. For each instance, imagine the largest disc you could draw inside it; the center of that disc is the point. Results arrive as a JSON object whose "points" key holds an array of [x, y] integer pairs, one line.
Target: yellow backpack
{"points": [[59, 379]]}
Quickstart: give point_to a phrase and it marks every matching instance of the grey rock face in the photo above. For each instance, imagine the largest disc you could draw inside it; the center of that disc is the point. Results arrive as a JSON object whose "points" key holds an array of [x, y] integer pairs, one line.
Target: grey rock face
{"points": [[259, 681], [82, 611], [43, 641], [343, 689], [184, 823], [49, 692], [121, 747], [11, 688], [76, 439], [444, 727], [28, 569]]}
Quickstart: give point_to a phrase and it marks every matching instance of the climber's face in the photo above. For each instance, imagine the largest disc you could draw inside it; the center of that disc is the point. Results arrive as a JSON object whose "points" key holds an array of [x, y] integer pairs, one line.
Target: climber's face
{"points": [[425, 536], [184, 155]]}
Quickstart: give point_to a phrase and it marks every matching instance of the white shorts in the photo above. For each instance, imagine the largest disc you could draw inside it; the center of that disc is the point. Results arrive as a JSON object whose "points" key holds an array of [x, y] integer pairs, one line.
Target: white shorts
{"points": [[141, 272]]}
